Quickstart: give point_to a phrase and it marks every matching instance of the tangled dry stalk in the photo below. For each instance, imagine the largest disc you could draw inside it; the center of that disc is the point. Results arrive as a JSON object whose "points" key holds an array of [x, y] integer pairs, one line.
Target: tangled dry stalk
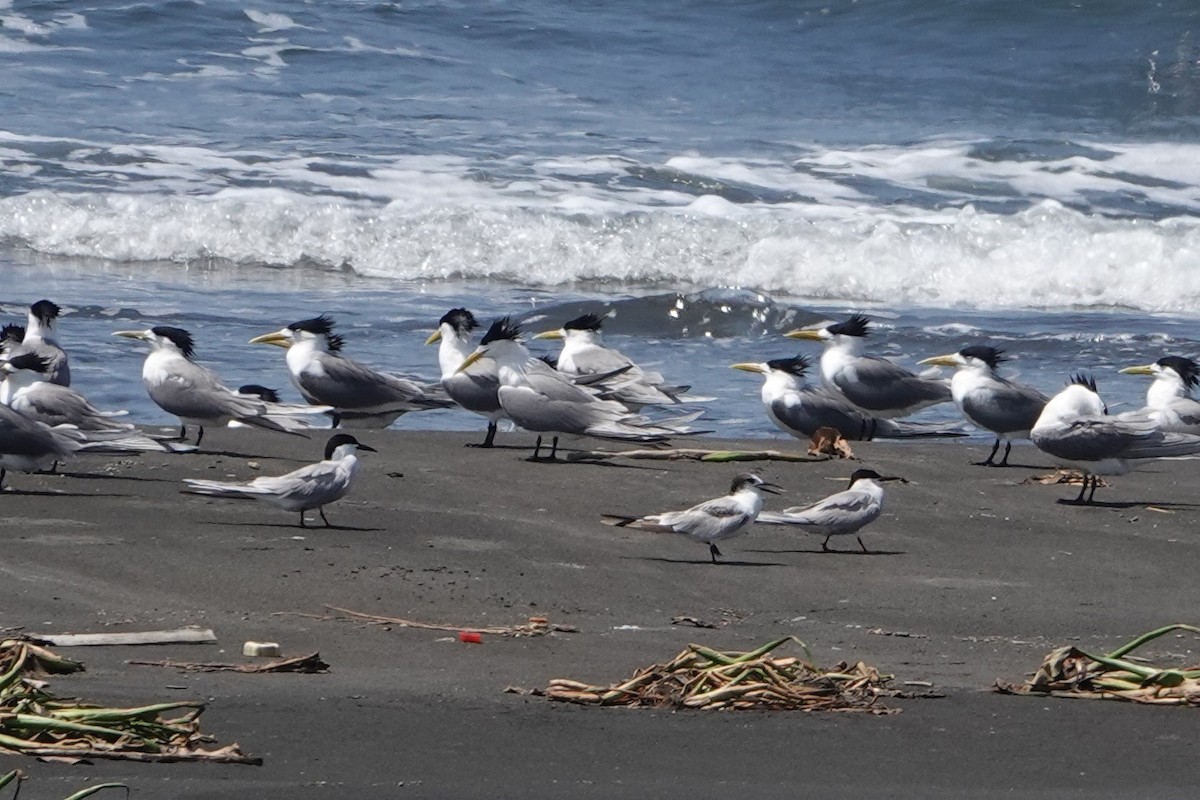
{"points": [[1071, 672], [35, 722], [700, 677]]}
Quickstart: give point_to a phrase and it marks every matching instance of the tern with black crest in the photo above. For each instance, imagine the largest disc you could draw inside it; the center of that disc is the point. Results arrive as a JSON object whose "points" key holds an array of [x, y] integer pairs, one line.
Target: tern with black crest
{"points": [[842, 514], [41, 339], [1006, 408], [361, 397], [314, 486], [538, 398], [180, 386], [1169, 401], [1077, 431], [874, 385], [708, 522], [476, 388], [801, 409]]}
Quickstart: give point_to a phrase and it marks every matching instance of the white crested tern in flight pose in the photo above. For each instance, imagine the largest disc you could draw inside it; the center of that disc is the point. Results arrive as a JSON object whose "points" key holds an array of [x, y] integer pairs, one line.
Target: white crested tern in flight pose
{"points": [[842, 514], [1076, 430], [708, 522], [314, 486], [800, 409], [538, 398], [196, 395], [584, 354], [1006, 408], [871, 384], [41, 339], [1169, 401], [475, 389], [360, 396]]}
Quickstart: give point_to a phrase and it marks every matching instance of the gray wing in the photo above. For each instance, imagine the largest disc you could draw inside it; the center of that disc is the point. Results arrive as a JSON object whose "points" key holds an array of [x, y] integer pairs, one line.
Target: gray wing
{"points": [[193, 392], [474, 392], [1004, 406], [1098, 438], [594, 360], [347, 384], [59, 370], [876, 384], [57, 405], [20, 436], [803, 412], [712, 519], [842, 512]]}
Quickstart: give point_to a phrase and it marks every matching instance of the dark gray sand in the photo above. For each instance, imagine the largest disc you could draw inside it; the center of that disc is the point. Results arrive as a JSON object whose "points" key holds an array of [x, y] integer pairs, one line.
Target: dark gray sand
{"points": [[972, 577]]}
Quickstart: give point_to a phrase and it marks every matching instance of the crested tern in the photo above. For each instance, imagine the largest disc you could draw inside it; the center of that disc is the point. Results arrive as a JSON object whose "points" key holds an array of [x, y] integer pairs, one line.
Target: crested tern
{"points": [[584, 354], [40, 339], [26, 390], [11, 337], [800, 409], [196, 395], [1076, 429], [1006, 408], [314, 486], [841, 514], [708, 522], [360, 396], [476, 388], [871, 384], [538, 398], [1169, 401]]}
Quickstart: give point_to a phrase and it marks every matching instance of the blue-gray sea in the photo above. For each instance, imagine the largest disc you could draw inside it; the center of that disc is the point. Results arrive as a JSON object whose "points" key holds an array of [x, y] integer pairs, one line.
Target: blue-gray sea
{"points": [[1022, 173]]}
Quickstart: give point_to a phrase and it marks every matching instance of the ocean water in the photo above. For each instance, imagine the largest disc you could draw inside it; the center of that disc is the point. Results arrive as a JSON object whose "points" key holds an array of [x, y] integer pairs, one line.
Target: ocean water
{"points": [[1025, 174]]}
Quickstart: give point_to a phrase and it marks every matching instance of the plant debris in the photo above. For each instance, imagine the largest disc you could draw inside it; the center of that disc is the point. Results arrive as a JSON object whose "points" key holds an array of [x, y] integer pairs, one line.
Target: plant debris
{"points": [[536, 626], [1071, 672], [37, 723], [700, 677], [309, 664], [678, 454], [829, 442], [1069, 477]]}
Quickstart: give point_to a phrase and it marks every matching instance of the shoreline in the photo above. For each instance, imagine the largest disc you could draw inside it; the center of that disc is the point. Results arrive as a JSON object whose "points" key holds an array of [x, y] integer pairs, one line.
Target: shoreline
{"points": [[972, 577]]}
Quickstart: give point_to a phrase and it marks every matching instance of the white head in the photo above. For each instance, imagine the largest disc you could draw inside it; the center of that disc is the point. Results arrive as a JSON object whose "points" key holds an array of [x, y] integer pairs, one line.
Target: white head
{"points": [[163, 338]]}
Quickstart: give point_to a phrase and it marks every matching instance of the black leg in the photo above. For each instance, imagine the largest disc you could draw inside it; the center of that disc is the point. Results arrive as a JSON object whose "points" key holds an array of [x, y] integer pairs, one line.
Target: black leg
{"points": [[489, 440], [335, 419], [1095, 483], [183, 432], [987, 462], [302, 523], [1083, 489], [825, 545], [1007, 450], [554, 449], [199, 436], [3, 474], [860, 544], [713, 551], [321, 511], [537, 448]]}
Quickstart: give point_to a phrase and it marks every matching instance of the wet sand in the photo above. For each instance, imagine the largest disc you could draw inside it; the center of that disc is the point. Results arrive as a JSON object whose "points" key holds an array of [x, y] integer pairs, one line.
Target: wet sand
{"points": [[972, 577]]}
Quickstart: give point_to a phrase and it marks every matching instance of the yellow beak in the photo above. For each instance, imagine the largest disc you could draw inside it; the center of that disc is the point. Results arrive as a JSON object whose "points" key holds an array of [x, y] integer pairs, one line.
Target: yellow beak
{"points": [[434, 337], [555, 334], [747, 366], [1147, 369], [948, 360], [277, 338], [469, 360], [809, 334], [131, 334]]}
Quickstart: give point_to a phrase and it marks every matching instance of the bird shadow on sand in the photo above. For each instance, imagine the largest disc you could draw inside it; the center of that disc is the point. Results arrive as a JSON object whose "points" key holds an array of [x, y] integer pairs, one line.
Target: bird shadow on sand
{"points": [[832, 552], [231, 454], [724, 562], [295, 527], [100, 476], [54, 493], [595, 462], [1125, 506]]}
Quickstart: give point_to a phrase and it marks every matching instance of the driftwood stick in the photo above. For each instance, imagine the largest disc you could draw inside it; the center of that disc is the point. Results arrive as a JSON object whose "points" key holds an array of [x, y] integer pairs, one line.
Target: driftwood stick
{"points": [[310, 663], [719, 456], [535, 624], [180, 636]]}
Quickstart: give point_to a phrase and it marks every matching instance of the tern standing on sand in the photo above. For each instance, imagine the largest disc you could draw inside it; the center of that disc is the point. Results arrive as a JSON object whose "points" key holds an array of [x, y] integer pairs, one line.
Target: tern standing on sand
{"points": [[1076, 429], [361, 397], [708, 522], [1006, 408], [842, 514], [314, 486], [475, 388], [41, 339]]}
